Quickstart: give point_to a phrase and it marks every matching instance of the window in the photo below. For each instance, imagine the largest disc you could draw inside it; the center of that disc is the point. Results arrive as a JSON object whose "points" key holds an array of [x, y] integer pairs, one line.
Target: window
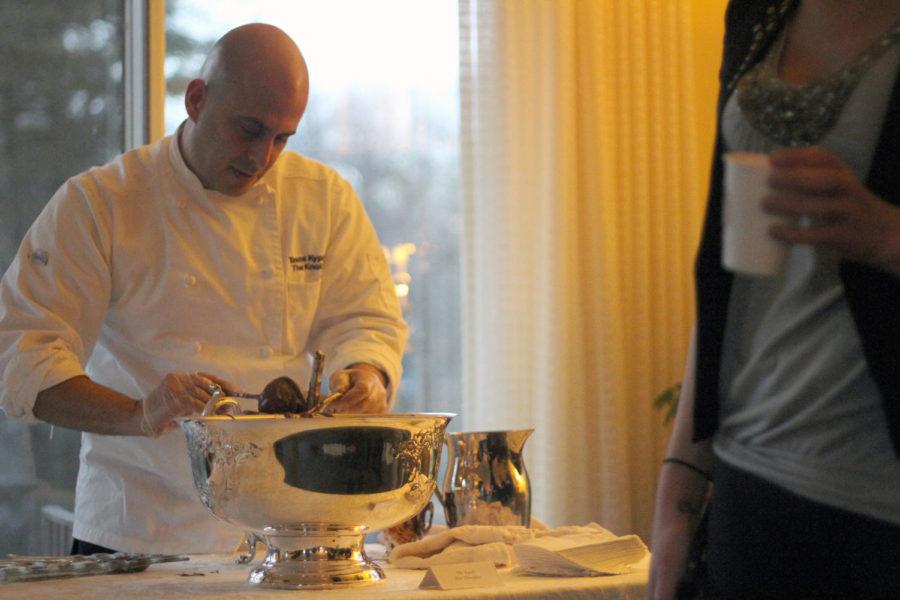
{"points": [[61, 111], [383, 111]]}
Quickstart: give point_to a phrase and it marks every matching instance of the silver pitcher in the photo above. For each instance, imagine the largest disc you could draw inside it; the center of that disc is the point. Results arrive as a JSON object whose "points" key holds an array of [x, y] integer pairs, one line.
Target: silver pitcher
{"points": [[486, 482]]}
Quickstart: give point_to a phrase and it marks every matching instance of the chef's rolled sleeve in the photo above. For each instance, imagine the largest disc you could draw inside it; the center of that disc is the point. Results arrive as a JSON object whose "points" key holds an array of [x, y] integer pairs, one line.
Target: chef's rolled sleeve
{"points": [[28, 373], [53, 299]]}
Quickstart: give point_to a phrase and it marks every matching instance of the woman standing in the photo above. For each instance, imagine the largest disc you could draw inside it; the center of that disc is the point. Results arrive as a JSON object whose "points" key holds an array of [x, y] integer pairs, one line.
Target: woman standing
{"points": [[791, 397]]}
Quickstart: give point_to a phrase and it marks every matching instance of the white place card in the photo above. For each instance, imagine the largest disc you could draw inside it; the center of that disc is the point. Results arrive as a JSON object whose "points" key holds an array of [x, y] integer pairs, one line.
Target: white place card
{"points": [[460, 576]]}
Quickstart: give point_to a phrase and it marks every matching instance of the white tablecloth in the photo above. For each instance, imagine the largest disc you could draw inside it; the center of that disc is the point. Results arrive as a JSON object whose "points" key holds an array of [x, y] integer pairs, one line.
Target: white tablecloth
{"points": [[217, 577]]}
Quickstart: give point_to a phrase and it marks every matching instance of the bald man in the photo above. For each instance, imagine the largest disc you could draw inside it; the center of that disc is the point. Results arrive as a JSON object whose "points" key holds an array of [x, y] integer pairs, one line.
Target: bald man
{"points": [[209, 257]]}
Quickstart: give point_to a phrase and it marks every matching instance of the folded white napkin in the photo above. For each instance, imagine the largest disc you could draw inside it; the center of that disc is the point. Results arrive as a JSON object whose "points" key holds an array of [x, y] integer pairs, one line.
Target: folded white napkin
{"points": [[584, 554], [471, 543], [467, 543]]}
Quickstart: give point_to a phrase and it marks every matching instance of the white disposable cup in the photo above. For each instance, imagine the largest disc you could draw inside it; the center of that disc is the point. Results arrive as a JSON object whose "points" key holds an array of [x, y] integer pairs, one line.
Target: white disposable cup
{"points": [[747, 246]]}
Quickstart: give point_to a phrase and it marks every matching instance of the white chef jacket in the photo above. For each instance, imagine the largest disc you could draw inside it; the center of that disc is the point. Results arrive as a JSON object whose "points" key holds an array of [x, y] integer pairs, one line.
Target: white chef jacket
{"points": [[133, 271]]}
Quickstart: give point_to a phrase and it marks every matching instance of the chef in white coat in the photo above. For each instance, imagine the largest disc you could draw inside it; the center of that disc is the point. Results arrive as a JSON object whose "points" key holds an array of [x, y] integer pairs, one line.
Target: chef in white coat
{"points": [[208, 257]]}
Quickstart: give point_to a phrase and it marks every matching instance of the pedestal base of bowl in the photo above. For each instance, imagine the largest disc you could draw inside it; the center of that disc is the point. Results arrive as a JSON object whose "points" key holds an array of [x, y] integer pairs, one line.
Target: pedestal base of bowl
{"points": [[314, 557]]}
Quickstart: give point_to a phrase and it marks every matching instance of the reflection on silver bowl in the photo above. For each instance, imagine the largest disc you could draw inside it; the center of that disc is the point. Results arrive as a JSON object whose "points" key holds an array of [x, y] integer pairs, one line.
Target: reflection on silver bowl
{"points": [[313, 487]]}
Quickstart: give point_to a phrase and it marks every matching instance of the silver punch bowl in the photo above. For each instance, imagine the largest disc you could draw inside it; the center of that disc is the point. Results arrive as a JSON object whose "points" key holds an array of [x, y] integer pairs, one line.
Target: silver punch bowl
{"points": [[313, 487]]}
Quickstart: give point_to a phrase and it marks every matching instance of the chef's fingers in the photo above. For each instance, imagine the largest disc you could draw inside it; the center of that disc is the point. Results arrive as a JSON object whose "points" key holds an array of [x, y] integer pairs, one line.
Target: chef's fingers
{"points": [[363, 391], [227, 387], [177, 395], [339, 381]]}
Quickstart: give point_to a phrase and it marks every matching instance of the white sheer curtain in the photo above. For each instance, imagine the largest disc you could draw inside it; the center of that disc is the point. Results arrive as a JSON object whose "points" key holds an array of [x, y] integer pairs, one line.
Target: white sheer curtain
{"points": [[584, 168]]}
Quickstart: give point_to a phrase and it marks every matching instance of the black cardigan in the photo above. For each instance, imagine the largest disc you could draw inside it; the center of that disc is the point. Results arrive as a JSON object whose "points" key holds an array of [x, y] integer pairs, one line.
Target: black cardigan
{"points": [[873, 296]]}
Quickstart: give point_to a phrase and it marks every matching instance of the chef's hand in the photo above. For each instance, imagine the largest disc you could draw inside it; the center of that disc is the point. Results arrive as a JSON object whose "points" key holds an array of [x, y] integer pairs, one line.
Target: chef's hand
{"points": [[364, 388], [844, 217], [178, 395]]}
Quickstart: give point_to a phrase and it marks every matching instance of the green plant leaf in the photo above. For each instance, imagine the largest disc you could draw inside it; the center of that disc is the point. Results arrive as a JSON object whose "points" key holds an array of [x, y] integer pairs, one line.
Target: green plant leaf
{"points": [[667, 401]]}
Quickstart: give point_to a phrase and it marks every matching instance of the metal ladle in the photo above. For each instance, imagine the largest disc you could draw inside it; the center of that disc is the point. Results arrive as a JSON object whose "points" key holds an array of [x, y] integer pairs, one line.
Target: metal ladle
{"points": [[221, 404]]}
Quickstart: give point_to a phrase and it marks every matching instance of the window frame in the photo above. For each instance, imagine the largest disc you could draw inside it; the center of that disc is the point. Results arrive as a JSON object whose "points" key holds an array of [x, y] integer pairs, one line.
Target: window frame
{"points": [[144, 71]]}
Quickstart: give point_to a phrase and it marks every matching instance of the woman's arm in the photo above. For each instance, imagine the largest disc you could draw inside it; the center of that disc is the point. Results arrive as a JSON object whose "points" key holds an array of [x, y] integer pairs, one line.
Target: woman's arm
{"points": [[681, 493]]}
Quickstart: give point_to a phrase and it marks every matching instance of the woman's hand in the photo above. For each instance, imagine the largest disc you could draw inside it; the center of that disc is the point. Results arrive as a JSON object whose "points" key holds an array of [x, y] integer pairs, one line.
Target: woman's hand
{"points": [[831, 209]]}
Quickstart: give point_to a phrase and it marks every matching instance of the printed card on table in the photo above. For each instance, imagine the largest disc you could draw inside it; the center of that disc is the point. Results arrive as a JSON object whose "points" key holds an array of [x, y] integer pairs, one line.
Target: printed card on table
{"points": [[461, 576]]}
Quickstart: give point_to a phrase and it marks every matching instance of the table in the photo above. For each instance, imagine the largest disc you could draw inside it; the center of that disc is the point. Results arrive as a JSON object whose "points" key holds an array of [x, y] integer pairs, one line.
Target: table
{"points": [[217, 577]]}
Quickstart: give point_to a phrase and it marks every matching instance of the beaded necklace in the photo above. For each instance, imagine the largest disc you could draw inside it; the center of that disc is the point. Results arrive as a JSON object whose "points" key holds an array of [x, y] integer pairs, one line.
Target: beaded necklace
{"points": [[802, 115]]}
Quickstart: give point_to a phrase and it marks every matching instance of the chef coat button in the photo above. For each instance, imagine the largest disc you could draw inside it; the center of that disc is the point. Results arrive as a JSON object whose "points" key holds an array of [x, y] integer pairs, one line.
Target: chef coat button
{"points": [[265, 351], [198, 347], [189, 280]]}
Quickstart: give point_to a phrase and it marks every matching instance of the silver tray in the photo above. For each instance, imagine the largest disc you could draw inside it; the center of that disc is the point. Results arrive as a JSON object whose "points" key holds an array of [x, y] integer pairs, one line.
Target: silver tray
{"points": [[36, 568]]}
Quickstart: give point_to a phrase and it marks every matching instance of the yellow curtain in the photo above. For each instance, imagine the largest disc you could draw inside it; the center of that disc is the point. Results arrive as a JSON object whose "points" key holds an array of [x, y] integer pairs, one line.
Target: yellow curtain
{"points": [[586, 128]]}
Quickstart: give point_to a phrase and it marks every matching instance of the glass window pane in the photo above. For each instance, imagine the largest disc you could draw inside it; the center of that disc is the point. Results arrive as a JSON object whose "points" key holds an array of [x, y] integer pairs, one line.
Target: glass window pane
{"points": [[61, 111], [383, 111]]}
